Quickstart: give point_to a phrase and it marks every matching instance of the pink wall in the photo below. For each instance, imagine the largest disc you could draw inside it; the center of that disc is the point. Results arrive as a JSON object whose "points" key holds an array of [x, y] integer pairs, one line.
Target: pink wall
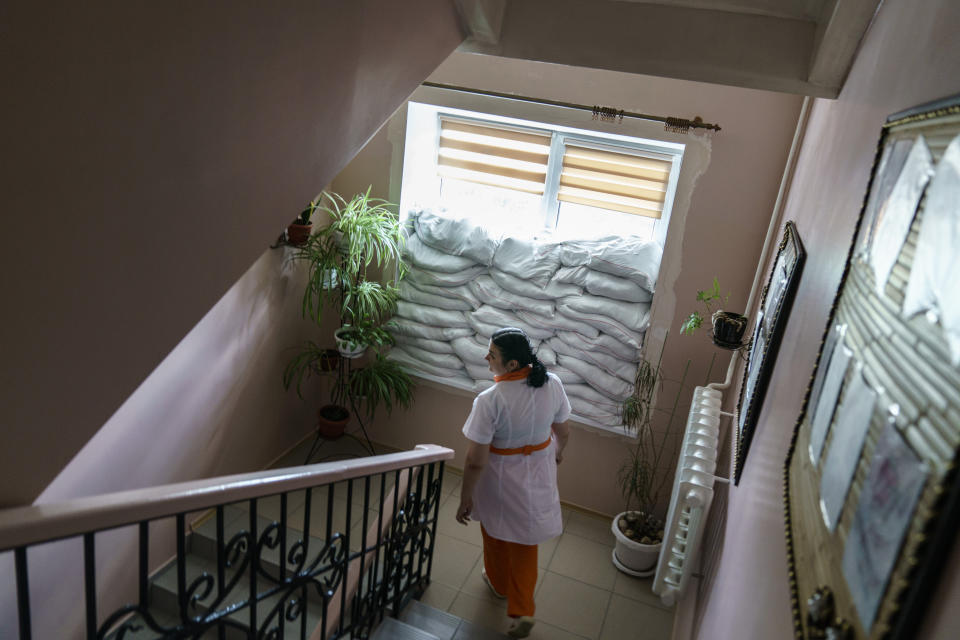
{"points": [[909, 56], [161, 148], [719, 231]]}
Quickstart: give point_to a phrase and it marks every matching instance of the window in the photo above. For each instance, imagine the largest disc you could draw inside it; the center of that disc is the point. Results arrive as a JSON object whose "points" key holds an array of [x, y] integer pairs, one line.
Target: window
{"points": [[524, 177], [507, 213]]}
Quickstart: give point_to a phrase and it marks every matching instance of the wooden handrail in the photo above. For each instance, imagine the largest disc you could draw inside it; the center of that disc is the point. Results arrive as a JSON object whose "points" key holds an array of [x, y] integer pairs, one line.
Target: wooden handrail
{"points": [[37, 523]]}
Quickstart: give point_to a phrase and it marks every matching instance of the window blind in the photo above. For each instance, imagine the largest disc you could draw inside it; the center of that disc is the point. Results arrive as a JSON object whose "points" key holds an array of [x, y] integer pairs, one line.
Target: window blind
{"points": [[613, 180], [492, 155]]}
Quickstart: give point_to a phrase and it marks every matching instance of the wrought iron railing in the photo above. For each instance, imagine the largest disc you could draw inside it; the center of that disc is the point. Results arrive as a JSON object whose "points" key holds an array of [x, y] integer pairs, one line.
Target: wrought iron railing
{"points": [[298, 573]]}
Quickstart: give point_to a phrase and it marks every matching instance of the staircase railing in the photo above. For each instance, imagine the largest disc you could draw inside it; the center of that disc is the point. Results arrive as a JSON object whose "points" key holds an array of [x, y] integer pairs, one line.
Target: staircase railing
{"points": [[268, 575]]}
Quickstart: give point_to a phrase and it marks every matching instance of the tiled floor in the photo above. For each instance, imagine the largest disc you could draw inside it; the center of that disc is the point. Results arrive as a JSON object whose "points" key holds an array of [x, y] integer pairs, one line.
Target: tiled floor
{"points": [[579, 593]]}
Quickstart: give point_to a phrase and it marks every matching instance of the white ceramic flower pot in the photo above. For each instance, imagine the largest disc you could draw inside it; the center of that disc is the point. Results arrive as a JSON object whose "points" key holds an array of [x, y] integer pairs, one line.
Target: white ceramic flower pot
{"points": [[633, 558], [348, 348]]}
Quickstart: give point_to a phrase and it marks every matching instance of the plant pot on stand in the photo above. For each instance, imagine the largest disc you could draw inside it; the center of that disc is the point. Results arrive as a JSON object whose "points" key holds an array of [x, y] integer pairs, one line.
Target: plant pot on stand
{"points": [[630, 556], [348, 343], [332, 421], [728, 329]]}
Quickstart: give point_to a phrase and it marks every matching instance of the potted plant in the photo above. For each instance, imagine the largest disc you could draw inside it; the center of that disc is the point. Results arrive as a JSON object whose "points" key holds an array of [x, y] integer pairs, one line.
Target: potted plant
{"points": [[299, 230], [728, 327], [638, 529], [362, 234]]}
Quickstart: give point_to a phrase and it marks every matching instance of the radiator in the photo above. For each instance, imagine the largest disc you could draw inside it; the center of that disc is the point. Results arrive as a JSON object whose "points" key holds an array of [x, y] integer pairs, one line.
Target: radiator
{"points": [[691, 496]]}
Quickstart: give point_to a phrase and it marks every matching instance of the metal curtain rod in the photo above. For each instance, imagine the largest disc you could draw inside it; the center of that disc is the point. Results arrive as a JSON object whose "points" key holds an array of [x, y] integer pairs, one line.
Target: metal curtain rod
{"points": [[608, 114]]}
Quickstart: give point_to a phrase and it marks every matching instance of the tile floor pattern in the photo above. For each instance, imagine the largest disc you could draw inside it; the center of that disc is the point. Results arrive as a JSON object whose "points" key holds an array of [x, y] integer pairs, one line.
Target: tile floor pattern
{"points": [[579, 593]]}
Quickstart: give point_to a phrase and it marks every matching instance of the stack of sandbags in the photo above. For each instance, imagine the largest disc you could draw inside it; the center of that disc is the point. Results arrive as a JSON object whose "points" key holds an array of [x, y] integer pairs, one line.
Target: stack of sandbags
{"points": [[584, 305]]}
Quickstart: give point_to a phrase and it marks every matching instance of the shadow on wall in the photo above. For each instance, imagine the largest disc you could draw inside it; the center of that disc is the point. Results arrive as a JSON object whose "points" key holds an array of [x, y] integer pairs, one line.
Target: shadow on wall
{"points": [[214, 406]]}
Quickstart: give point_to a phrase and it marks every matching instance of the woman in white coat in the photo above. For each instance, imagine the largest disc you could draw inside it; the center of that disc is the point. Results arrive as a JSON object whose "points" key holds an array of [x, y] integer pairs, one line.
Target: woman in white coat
{"points": [[517, 432]]}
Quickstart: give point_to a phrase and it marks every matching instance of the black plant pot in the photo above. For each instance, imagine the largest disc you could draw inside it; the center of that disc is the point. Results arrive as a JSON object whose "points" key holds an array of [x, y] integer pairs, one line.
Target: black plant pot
{"points": [[728, 329]]}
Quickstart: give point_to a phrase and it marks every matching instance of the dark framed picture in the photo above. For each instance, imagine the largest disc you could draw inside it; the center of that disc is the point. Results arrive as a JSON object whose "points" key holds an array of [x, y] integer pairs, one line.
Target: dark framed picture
{"points": [[872, 486], [768, 329]]}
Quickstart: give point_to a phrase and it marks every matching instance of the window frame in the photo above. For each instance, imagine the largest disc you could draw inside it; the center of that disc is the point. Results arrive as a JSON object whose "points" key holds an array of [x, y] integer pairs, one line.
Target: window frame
{"points": [[561, 136]]}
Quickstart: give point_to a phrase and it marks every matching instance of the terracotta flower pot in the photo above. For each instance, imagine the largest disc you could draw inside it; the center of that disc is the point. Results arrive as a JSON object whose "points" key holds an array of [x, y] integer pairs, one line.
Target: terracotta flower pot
{"points": [[332, 421], [298, 234]]}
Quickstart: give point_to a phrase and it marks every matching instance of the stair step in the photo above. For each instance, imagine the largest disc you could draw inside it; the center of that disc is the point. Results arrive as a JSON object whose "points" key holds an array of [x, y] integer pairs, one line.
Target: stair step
{"points": [[163, 597], [440, 623], [394, 629]]}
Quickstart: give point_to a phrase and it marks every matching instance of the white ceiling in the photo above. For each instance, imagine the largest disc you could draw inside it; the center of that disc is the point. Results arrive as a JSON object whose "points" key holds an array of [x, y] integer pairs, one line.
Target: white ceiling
{"points": [[795, 46]]}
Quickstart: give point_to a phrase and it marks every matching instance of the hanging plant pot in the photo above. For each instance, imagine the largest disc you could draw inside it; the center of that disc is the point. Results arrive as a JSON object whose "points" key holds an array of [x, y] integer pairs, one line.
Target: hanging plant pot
{"points": [[347, 342], [728, 329], [332, 421], [298, 234], [629, 556]]}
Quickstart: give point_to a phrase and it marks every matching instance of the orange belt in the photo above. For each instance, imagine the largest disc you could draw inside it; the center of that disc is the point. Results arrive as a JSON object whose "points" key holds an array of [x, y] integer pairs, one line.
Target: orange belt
{"points": [[525, 450]]}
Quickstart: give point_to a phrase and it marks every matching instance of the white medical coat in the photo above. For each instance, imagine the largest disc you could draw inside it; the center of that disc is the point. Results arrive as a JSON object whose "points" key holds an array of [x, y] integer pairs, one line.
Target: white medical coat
{"points": [[516, 497]]}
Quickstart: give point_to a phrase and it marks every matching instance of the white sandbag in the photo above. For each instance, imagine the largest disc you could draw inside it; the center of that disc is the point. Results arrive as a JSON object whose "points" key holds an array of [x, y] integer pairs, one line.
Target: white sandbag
{"points": [[627, 257], [487, 316], [482, 385], [469, 350], [443, 360], [432, 315], [492, 293], [459, 293], [602, 343], [413, 344], [588, 411], [419, 276], [457, 236], [533, 261], [633, 315], [478, 371], [588, 394], [554, 289], [410, 293], [484, 329], [408, 360], [557, 322], [407, 327], [546, 354], [626, 371], [606, 325], [610, 386], [603, 284], [566, 376], [426, 257]]}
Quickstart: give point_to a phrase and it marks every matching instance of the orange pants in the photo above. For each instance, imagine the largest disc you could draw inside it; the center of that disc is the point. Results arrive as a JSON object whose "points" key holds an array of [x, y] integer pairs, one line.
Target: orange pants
{"points": [[512, 570]]}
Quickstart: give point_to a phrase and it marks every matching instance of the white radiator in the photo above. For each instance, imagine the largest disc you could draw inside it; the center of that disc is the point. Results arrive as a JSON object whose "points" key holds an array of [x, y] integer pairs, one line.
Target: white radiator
{"points": [[691, 496]]}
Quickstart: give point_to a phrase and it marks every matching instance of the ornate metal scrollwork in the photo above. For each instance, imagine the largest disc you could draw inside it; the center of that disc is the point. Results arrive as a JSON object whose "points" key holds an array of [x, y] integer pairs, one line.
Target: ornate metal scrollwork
{"points": [[209, 600]]}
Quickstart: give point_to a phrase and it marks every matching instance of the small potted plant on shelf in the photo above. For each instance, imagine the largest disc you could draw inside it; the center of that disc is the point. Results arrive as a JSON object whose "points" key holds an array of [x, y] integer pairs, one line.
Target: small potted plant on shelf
{"points": [[362, 234], [299, 230], [728, 327], [638, 529]]}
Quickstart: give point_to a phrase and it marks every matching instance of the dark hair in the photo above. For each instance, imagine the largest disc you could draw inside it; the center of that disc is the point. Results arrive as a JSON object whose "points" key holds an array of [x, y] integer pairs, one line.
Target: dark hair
{"points": [[513, 345]]}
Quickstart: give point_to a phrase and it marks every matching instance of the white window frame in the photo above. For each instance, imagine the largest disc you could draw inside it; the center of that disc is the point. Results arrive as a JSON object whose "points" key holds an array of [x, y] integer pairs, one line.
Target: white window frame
{"points": [[415, 172]]}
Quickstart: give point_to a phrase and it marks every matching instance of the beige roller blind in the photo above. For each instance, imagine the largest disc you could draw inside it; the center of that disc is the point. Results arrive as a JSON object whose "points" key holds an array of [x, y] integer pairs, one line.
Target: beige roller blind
{"points": [[612, 180], [493, 155]]}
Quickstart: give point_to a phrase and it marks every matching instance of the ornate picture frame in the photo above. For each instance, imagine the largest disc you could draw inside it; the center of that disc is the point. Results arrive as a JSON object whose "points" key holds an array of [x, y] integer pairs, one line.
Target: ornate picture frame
{"points": [[768, 328], [881, 410]]}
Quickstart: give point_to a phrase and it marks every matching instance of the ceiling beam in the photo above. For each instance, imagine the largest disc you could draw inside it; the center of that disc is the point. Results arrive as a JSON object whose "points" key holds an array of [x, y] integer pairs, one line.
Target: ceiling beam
{"points": [[839, 33]]}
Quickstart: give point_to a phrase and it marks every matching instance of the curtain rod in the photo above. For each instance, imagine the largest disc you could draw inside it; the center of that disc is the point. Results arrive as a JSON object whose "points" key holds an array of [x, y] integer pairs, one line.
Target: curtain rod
{"points": [[607, 114]]}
